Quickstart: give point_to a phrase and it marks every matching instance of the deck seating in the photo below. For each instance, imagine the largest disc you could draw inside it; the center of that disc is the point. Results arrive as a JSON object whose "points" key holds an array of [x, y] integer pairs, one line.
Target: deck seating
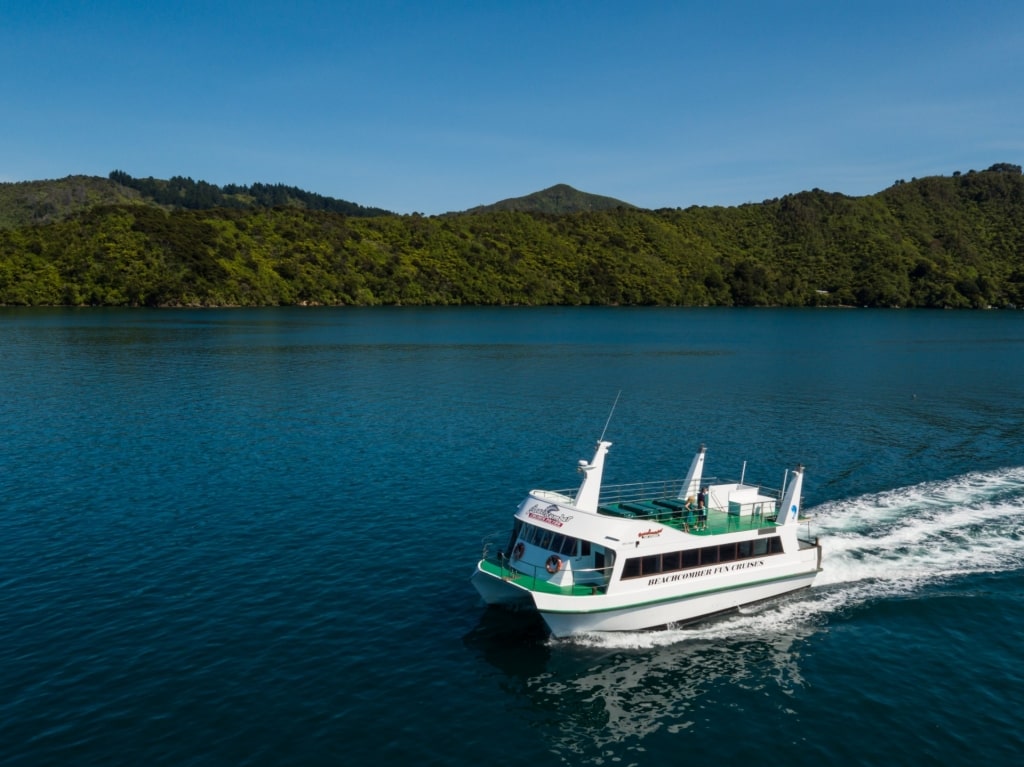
{"points": [[615, 511]]}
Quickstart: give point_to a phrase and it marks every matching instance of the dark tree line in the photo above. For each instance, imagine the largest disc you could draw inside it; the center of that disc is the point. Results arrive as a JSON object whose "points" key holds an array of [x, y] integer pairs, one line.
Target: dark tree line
{"points": [[183, 192]]}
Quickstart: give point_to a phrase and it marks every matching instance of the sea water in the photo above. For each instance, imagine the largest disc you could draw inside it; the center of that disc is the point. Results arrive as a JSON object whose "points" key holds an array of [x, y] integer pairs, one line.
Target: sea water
{"points": [[245, 537]]}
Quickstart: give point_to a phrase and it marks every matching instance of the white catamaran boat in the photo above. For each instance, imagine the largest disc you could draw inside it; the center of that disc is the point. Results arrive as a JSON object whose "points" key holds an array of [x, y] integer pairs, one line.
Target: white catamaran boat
{"points": [[648, 554]]}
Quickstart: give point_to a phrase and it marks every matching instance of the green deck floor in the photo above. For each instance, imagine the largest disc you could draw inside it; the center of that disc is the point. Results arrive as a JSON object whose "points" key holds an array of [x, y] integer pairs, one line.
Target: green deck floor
{"points": [[540, 583], [718, 522]]}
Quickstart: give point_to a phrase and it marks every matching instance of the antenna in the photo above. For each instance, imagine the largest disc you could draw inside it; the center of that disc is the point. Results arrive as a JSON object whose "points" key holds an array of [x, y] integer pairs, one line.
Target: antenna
{"points": [[616, 402]]}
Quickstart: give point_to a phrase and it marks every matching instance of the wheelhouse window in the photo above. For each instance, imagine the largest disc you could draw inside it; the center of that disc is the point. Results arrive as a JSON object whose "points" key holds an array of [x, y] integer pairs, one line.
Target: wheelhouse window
{"points": [[551, 541]]}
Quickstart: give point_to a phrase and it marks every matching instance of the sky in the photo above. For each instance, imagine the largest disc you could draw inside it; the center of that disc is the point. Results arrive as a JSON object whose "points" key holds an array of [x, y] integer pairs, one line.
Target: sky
{"points": [[440, 106]]}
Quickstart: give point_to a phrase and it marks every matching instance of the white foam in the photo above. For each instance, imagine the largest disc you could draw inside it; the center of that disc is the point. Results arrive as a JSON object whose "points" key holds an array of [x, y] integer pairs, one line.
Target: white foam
{"points": [[878, 546]]}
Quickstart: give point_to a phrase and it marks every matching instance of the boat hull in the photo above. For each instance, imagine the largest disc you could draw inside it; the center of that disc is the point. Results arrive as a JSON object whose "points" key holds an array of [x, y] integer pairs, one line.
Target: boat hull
{"points": [[567, 615], [682, 609], [498, 591]]}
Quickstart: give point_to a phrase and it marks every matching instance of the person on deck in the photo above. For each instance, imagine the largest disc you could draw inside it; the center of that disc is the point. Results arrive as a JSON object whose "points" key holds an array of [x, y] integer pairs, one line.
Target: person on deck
{"points": [[702, 508], [690, 507]]}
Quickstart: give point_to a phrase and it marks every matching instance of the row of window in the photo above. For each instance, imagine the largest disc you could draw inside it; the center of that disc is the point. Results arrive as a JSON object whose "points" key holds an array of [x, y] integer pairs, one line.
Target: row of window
{"points": [[655, 564], [551, 541]]}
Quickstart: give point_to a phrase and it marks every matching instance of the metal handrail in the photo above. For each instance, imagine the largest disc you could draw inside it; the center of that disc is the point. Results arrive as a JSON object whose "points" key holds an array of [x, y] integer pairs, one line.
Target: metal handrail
{"points": [[632, 492], [538, 573]]}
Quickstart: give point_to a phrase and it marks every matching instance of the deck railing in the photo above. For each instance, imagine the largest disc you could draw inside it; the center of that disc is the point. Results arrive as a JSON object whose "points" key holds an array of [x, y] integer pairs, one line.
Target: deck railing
{"points": [[590, 580], [633, 492], [803, 533]]}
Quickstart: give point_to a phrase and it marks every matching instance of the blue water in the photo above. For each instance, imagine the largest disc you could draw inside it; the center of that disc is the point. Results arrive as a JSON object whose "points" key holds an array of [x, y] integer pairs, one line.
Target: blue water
{"points": [[245, 537]]}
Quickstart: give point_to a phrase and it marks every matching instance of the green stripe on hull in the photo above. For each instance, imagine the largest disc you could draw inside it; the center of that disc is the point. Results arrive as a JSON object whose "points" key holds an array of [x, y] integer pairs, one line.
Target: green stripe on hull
{"points": [[680, 597]]}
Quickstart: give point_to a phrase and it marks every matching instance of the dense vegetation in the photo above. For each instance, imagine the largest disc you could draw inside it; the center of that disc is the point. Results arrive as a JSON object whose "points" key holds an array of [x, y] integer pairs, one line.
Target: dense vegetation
{"points": [[41, 202], [953, 242], [183, 192], [558, 199]]}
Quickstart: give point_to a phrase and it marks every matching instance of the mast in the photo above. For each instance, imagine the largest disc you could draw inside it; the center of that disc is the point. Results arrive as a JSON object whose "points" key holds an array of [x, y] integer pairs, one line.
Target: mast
{"points": [[590, 488], [693, 476], [589, 493], [790, 507]]}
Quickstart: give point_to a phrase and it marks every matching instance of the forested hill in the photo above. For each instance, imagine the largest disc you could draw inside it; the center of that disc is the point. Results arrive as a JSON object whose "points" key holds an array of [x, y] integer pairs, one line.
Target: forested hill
{"points": [[557, 200], [39, 202], [200, 195], [945, 241]]}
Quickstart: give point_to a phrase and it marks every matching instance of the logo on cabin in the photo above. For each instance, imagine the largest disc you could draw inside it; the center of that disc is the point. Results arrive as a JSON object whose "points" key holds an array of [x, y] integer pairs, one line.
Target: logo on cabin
{"points": [[648, 533], [700, 573], [550, 515]]}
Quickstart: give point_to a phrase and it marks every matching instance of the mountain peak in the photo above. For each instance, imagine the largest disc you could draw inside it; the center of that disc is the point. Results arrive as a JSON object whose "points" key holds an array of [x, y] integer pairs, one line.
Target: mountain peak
{"points": [[557, 199]]}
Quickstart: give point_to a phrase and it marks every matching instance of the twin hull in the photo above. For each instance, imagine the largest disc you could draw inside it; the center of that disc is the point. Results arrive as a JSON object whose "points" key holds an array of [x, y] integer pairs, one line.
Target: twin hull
{"points": [[669, 609], [680, 601]]}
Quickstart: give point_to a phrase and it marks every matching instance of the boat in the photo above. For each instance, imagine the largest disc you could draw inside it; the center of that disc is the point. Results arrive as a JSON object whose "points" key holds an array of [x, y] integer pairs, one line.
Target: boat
{"points": [[648, 554]]}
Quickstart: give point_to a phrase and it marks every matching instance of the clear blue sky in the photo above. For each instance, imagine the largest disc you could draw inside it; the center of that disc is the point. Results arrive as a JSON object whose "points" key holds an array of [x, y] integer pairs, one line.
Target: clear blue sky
{"points": [[438, 106]]}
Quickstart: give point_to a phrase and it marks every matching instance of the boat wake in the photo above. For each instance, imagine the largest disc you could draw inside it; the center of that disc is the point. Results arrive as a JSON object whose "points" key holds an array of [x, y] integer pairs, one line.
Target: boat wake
{"points": [[878, 546]]}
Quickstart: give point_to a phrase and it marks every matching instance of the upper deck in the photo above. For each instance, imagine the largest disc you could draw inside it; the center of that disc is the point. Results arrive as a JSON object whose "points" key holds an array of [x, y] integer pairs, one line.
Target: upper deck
{"points": [[731, 506]]}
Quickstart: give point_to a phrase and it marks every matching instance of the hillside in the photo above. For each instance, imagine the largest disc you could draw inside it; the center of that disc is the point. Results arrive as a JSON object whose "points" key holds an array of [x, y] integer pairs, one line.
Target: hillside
{"points": [[939, 242], [182, 192], [41, 202], [557, 200]]}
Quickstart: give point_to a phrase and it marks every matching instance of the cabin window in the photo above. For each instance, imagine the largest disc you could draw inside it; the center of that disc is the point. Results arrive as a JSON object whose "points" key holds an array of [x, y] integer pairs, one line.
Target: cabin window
{"points": [[632, 568], [568, 546], [637, 567], [517, 528], [584, 548], [650, 565]]}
